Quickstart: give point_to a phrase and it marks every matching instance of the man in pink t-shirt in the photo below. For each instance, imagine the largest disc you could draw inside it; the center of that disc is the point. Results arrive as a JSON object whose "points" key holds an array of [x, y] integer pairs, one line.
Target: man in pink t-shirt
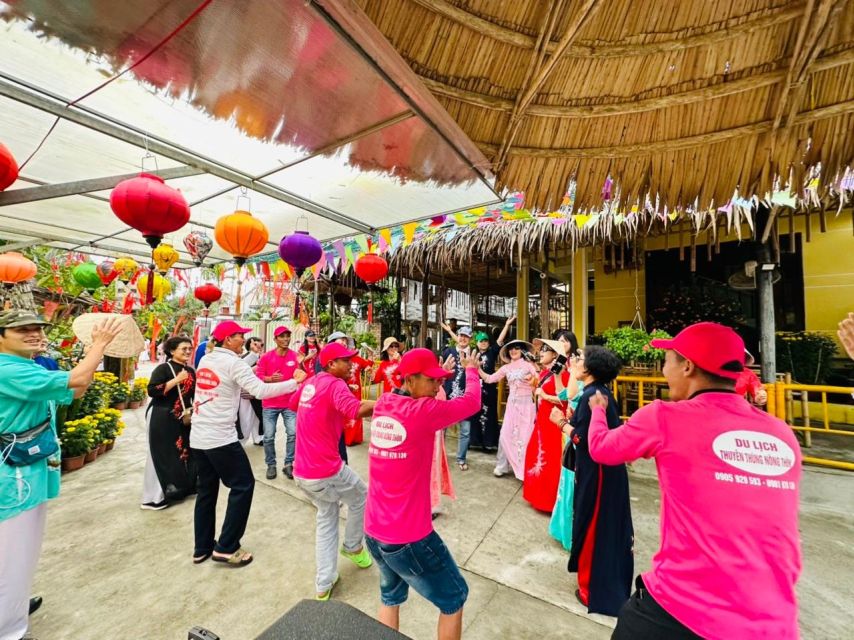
{"points": [[729, 473], [398, 520], [325, 405], [274, 366]]}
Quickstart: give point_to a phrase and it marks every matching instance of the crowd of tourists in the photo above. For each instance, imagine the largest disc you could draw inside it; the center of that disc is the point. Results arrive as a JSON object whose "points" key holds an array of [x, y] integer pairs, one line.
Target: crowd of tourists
{"points": [[721, 571]]}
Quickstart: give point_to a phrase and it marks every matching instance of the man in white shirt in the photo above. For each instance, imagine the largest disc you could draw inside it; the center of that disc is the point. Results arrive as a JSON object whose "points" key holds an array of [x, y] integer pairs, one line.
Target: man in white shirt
{"points": [[213, 440]]}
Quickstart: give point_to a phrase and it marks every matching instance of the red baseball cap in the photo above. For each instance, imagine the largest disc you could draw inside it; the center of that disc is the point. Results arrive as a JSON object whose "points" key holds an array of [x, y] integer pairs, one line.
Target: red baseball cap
{"points": [[228, 328], [335, 351], [280, 330], [421, 361], [711, 346]]}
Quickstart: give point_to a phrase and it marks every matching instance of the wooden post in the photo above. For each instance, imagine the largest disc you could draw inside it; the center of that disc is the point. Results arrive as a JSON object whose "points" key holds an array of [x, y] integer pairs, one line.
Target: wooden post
{"points": [[765, 286], [398, 285], [425, 304], [579, 296], [522, 289], [545, 329]]}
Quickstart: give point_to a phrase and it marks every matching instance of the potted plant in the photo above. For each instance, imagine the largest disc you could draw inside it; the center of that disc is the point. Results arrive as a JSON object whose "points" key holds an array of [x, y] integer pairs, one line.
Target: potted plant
{"points": [[138, 393], [108, 424], [632, 347], [120, 394], [74, 439]]}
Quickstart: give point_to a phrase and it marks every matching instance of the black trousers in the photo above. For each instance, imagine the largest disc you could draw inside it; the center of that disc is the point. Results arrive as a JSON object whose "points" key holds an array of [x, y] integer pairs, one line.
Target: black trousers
{"points": [[230, 465], [642, 618]]}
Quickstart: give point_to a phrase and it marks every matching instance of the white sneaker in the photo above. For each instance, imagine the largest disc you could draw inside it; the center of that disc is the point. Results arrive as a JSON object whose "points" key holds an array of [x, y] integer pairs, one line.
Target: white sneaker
{"points": [[498, 472]]}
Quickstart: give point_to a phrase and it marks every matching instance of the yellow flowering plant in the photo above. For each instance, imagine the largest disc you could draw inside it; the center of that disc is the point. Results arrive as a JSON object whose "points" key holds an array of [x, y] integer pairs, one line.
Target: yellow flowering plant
{"points": [[77, 437]]}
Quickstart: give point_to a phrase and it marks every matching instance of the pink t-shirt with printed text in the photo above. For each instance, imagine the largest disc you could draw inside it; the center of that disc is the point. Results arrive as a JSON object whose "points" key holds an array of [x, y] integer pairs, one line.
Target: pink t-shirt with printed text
{"points": [[270, 363], [400, 456], [730, 550], [325, 404]]}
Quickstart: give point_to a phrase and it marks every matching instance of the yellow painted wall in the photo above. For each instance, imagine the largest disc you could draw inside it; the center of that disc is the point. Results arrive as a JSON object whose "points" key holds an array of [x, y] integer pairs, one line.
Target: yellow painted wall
{"points": [[828, 275], [614, 297]]}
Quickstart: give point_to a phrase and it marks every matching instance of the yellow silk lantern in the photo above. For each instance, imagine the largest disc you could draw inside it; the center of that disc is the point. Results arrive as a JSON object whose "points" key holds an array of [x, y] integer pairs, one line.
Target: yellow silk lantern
{"points": [[126, 267], [162, 287], [164, 257]]}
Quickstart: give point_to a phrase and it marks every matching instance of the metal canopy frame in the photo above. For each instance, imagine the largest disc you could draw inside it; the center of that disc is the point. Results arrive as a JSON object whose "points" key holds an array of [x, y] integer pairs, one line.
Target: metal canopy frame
{"points": [[349, 25]]}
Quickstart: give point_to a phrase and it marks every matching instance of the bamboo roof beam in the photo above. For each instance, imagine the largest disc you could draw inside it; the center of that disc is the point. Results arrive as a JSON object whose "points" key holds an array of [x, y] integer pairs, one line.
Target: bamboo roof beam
{"points": [[718, 90], [813, 32], [728, 29], [545, 69], [624, 150]]}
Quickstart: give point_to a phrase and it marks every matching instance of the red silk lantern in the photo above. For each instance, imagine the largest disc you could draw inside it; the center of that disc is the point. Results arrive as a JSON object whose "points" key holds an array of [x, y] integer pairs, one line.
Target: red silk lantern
{"points": [[15, 268], [371, 268], [149, 205], [208, 294], [8, 167]]}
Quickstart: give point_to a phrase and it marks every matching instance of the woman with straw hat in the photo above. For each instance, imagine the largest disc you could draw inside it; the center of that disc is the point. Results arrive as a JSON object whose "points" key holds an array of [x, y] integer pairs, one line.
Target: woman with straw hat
{"points": [[386, 373], [519, 414], [543, 456]]}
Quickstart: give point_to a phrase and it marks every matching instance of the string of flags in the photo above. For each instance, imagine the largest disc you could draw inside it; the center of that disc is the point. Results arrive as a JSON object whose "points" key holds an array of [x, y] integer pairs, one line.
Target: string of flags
{"points": [[616, 216]]}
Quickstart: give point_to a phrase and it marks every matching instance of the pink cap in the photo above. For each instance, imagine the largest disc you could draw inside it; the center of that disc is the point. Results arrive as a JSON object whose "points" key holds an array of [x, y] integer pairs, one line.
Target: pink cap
{"points": [[421, 361], [280, 330], [335, 351], [711, 346], [228, 328]]}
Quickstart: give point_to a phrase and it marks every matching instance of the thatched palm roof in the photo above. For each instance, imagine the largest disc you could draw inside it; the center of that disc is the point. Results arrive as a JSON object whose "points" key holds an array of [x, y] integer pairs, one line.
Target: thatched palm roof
{"points": [[686, 101]]}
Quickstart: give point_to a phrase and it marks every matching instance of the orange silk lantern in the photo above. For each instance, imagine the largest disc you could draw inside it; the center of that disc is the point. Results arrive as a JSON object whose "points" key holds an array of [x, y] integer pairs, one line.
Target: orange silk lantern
{"points": [[15, 268], [241, 235]]}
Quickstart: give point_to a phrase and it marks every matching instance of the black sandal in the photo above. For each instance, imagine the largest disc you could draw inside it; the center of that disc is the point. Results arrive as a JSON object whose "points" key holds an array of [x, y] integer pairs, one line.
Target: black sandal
{"points": [[200, 559]]}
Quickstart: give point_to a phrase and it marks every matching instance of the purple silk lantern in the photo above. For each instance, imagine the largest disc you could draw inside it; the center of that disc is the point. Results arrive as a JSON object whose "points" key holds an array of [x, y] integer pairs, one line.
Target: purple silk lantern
{"points": [[300, 250]]}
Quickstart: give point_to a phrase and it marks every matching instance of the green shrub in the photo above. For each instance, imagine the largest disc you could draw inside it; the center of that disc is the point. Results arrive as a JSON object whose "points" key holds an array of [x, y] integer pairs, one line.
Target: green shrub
{"points": [[806, 355], [632, 345]]}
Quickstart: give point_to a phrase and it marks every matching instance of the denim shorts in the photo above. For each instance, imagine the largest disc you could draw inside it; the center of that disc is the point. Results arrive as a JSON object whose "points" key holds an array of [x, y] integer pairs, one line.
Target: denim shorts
{"points": [[426, 565]]}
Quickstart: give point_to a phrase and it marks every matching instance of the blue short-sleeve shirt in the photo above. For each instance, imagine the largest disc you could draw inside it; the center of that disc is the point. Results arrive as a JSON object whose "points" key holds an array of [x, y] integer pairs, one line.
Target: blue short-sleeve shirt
{"points": [[27, 392]]}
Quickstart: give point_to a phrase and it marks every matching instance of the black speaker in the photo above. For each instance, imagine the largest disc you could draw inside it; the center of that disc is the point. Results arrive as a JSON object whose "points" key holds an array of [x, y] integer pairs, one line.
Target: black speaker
{"points": [[330, 620]]}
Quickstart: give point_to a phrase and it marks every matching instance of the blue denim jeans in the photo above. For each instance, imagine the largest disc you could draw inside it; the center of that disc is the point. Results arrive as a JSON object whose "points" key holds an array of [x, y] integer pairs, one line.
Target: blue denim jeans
{"points": [[425, 565], [465, 436], [270, 418]]}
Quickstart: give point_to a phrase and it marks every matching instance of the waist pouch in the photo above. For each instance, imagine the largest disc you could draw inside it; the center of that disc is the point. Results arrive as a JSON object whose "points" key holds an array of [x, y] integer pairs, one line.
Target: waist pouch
{"points": [[28, 447]]}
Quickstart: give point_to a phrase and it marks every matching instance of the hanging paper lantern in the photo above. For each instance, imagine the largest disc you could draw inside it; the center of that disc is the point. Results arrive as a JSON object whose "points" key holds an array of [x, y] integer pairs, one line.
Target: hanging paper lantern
{"points": [[161, 287], [199, 245], [241, 235], [149, 205], [300, 250], [107, 271], [8, 167], [208, 294], [15, 268], [86, 275], [371, 268], [126, 268], [164, 257]]}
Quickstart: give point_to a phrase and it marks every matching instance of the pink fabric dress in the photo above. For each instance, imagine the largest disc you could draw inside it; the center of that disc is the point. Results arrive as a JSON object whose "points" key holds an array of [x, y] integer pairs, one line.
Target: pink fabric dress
{"points": [[440, 474], [519, 414]]}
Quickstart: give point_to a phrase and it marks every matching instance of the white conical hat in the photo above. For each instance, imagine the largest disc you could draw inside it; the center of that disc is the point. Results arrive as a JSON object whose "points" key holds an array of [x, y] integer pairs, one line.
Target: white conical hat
{"points": [[128, 344]]}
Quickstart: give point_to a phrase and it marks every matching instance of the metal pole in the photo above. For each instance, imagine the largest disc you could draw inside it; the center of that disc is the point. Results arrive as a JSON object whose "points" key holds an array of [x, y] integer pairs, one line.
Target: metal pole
{"points": [[398, 285], [425, 303]]}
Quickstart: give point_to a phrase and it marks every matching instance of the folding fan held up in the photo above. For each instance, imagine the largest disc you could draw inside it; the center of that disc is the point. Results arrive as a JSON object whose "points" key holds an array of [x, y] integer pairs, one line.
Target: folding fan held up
{"points": [[371, 268], [300, 250]]}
